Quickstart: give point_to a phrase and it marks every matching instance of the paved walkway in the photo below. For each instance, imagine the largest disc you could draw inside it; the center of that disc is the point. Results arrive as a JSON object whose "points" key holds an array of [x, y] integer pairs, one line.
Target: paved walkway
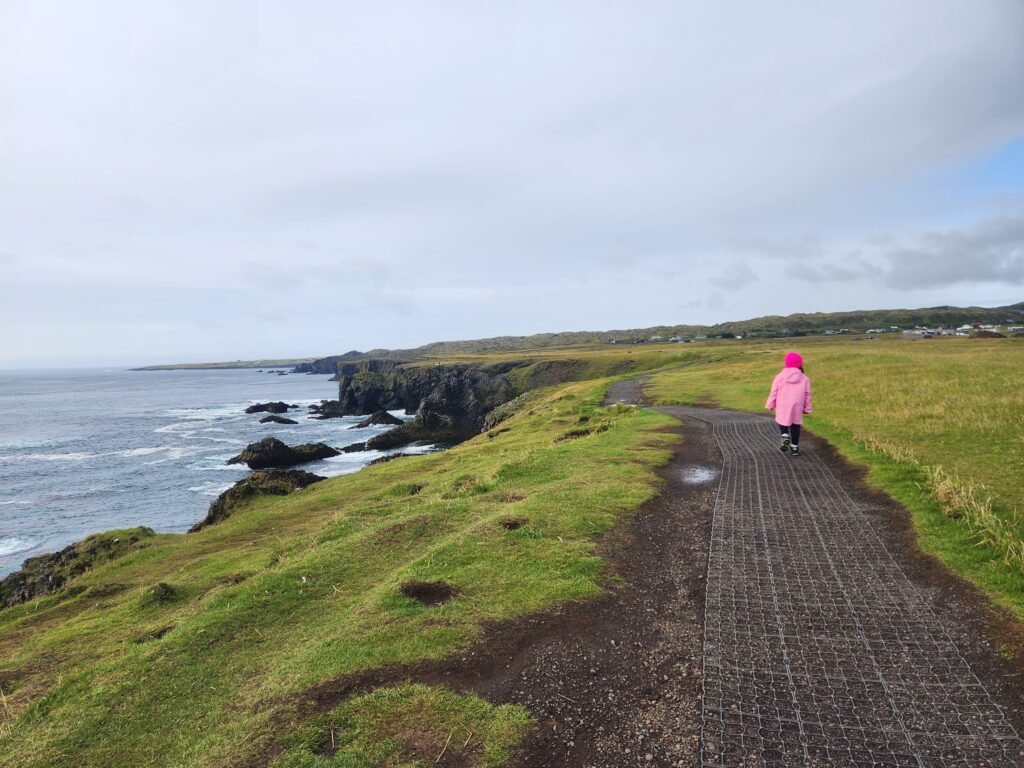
{"points": [[818, 650]]}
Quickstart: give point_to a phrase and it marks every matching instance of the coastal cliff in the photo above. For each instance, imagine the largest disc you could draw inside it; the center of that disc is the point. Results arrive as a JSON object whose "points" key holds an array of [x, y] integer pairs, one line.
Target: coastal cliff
{"points": [[450, 402]]}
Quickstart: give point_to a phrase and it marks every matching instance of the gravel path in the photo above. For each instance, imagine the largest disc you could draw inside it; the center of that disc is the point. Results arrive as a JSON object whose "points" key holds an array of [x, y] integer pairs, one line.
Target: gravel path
{"points": [[818, 649]]}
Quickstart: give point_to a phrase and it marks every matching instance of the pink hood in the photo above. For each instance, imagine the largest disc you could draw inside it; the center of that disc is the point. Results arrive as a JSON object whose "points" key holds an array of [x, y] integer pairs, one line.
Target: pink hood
{"points": [[790, 396]]}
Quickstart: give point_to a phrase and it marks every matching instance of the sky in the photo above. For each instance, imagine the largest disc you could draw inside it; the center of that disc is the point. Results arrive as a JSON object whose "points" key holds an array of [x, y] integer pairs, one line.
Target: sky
{"points": [[195, 181]]}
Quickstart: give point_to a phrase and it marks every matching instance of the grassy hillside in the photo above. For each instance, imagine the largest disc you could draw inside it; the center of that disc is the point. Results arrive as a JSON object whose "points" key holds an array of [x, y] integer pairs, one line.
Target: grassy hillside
{"points": [[772, 325], [197, 649], [940, 421], [208, 649]]}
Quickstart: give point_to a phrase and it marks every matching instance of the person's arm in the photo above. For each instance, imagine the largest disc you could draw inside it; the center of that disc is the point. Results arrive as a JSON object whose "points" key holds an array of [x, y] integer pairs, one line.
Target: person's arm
{"points": [[773, 395], [807, 398]]}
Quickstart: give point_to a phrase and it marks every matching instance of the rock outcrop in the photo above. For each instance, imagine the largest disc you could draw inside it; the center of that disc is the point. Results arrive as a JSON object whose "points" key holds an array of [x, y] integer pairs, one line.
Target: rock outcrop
{"points": [[380, 385], [454, 409], [275, 483], [329, 365], [275, 419], [328, 409], [378, 418], [44, 574], [449, 401], [277, 407], [271, 452]]}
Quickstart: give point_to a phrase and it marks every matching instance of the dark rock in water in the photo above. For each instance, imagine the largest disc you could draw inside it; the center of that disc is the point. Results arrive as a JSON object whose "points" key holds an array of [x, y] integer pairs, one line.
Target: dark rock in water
{"points": [[354, 448], [274, 419], [271, 452], [273, 483], [380, 417], [277, 407], [328, 409], [48, 573]]}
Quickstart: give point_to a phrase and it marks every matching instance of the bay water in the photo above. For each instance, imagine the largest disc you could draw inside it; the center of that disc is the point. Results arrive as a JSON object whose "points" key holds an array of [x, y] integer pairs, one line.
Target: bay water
{"points": [[90, 450]]}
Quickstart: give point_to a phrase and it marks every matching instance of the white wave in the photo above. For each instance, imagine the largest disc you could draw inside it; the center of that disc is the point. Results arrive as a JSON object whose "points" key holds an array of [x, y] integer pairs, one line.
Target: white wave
{"points": [[41, 443], [178, 426], [228, 440], [177, 452], [144, 451], [217, 464], [12, 545], [8, 502], [50, 457], [211, 413], [210, 489]]}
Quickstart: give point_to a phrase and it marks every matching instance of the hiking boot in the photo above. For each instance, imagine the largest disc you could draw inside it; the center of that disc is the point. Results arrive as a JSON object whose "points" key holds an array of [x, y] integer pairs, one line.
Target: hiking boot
{"points": [[785, 443], [794, 450]]}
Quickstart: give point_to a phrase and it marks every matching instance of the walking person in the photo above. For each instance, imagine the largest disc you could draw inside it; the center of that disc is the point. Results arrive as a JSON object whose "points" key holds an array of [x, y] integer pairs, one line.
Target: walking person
{"points": [[791, 399]]}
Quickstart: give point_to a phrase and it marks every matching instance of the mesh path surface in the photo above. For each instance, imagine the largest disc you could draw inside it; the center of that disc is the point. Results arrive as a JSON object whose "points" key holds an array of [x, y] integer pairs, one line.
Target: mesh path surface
{"points": [[818, 650]]}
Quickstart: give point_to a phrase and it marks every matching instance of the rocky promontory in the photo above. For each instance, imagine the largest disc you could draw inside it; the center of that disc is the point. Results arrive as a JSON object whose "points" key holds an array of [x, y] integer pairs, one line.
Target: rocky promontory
{"points": [[274, 483], [45, 574], [271, 452], [450, 402]]}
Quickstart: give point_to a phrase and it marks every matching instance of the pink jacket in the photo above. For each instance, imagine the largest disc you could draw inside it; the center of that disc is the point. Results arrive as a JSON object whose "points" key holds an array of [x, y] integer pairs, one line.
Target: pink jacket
{"points": [[790, 396]]}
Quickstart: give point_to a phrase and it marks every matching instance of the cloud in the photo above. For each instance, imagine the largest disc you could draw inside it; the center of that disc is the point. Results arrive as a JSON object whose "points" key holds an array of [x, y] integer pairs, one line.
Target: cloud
{"points": [[989, 251], [992, 251], [328, 161], [737, 276]]}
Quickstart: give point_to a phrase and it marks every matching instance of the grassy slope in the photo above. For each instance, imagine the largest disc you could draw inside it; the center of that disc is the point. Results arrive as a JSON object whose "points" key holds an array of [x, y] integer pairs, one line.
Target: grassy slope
{"points": [[293, 591], [816, 322], [940, 422], [297, 590]]}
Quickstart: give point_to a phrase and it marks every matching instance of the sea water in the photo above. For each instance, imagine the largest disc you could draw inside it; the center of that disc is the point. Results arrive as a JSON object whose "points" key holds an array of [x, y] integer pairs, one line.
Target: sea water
{"points": [[84, 451]]}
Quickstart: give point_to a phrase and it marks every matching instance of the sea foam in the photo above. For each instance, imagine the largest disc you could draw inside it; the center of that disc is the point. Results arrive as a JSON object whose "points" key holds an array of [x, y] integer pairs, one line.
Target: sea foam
{"points": [[13, 545]]}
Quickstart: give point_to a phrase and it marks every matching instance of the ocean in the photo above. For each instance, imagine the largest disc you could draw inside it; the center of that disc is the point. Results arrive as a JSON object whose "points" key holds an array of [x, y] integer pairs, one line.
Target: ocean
{"points": [[90, 450]]}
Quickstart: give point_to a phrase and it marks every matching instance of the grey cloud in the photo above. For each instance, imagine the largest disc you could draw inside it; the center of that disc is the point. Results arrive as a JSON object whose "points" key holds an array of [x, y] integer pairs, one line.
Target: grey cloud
{"points": [[991, 251], [422, 154], [829, 269], [736, 276]]}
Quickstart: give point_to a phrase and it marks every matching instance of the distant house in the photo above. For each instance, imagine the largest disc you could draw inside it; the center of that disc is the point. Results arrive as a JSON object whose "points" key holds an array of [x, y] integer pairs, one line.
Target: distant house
{"points": [[655, 338]]}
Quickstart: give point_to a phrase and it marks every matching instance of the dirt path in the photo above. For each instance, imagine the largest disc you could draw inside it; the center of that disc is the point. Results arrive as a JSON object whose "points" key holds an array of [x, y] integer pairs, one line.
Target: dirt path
{"points": [[818, 647]]}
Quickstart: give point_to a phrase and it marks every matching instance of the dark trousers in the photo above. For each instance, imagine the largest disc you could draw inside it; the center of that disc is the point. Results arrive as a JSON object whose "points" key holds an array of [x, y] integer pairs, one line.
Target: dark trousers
{"points": [[794, 433]]}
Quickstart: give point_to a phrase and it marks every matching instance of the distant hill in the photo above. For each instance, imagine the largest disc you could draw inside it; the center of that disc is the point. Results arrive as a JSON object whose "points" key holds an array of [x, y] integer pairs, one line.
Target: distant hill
{"points": [[768, 326]]}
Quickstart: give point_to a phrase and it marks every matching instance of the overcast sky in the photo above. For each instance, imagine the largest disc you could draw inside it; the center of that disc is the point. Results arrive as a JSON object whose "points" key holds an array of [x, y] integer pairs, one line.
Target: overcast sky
{"points": [[185, 181]]}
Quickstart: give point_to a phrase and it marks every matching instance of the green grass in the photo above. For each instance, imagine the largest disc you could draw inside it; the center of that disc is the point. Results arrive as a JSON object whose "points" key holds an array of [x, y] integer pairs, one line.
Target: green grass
{"points": [[411, 724], [940, 423], [290, 592]]}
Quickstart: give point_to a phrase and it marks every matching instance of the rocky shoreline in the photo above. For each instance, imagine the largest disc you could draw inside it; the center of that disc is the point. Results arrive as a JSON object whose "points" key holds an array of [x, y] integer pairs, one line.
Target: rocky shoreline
{"points": [[449, 404]]}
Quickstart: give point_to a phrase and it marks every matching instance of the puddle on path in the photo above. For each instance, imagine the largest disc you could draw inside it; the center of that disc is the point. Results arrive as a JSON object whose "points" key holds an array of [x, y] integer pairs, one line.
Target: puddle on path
{"points": [[695, 474]]}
